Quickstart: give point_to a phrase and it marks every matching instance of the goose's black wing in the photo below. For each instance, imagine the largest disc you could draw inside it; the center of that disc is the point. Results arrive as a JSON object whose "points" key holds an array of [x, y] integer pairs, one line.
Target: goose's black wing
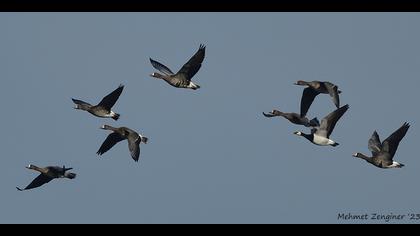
{"points": [[38, 181], [160, 67], [109, 142], [333, 91], [308, 97], [109, 100], [374, 144], [81, 103], [329, 122], [390, 144], [193, 65], [134, 147]]}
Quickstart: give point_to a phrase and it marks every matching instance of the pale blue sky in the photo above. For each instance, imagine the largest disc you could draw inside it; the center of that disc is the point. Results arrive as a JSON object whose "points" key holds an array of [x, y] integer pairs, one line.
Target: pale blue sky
{"points": [[212, 157]]}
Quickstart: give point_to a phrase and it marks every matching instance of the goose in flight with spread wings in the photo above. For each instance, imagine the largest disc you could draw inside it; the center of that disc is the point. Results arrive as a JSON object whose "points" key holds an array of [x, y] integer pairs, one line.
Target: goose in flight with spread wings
{"points": [[182, 79], [47, 174], [383, 153], [314, 88], [119, 134], [103, 109], [321, 135]]}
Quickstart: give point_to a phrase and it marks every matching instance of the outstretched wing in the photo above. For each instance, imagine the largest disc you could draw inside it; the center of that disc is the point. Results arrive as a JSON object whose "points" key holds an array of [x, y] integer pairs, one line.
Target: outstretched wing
{"points": [[109, 142], [308, 97], [38, 181], [390, 144], [134, 147], [81, 103], [333, 91], [193, 65], [109, 100], [160, 67], [374, 144], [329, 122]]}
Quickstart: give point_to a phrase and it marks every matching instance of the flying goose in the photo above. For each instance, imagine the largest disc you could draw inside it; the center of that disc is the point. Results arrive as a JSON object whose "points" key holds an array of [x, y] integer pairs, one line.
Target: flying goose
{"points": [[321, 135], [118, 134], [103, 109], [182, 79], [382, 154], [294, 118], [314, 88], [47, 174]]}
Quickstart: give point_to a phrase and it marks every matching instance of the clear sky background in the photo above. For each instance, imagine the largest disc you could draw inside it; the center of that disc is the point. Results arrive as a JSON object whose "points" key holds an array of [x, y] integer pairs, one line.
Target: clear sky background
{"points": [[212, 157]]}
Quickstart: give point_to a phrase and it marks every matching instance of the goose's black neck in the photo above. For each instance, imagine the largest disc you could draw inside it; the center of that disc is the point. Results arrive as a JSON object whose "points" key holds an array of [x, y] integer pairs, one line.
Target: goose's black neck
{"points": [[309, 137]]}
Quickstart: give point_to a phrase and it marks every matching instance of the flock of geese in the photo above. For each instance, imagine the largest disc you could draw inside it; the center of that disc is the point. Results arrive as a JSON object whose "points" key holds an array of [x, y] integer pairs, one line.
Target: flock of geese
{"points": [[382, 153]]}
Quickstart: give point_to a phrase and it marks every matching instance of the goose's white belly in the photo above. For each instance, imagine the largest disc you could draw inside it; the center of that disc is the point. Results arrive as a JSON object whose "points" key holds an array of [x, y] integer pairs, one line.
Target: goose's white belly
{"points": [[322, 141]]}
